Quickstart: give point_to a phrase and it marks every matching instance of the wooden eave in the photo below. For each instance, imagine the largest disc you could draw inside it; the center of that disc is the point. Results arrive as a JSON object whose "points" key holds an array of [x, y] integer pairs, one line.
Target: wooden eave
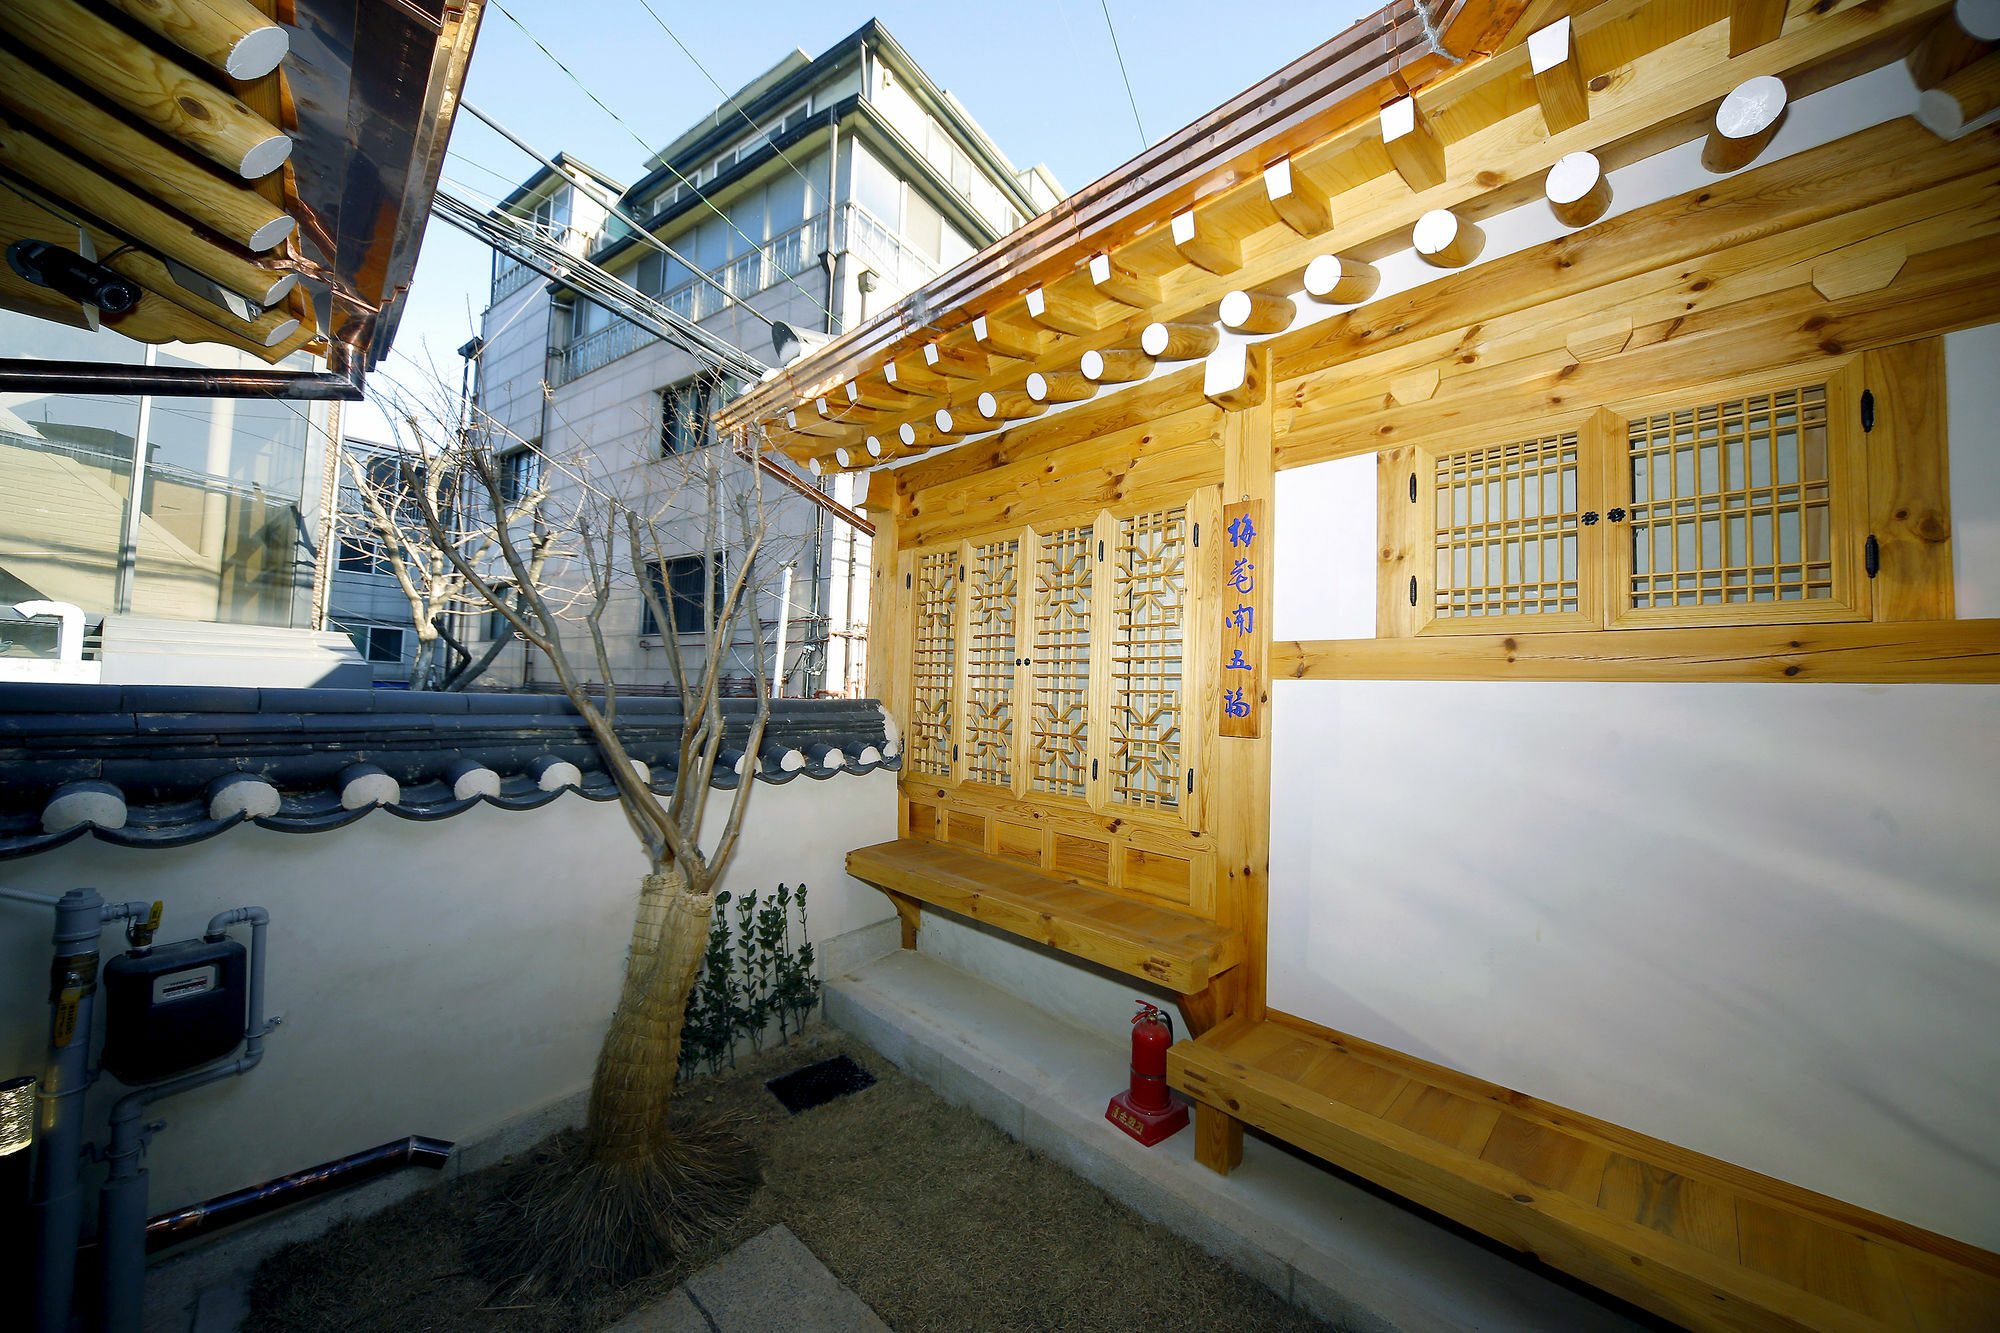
{"points": [[1338, 87], [1656, 70]]}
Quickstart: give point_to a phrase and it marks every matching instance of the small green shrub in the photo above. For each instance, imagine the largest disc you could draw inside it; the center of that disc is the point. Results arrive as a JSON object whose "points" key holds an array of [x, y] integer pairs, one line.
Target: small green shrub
{"points": [[751, 976]]}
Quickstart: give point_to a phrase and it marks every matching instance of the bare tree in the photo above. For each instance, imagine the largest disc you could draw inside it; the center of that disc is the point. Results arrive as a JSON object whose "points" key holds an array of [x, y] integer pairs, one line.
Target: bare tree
{"points": [[395, 492], [643, 1185]]}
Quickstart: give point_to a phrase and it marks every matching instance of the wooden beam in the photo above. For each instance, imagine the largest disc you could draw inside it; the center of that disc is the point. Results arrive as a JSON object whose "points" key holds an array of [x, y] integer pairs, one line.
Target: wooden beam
{"points": [[1178, 342], [1204, 247], [1443, 239], [1577, 190], [1062, 311], [1413, 145], [1593, 342], [1746, 121], [138, 219], [231, 36], [886, 505], [1297, 199], [185, 108], [234, 212], [1558, 75], [1119, 283], [1961, 99], [1909, 484], [1059, 386], [910, 375], [1924, 651], [1009, 405], [958, 363], [1257, 311], [1868, 266], [1337, 280], [1753, 23], [1004, 340], [1956, 40], [1116, 365], [1235, 377]]}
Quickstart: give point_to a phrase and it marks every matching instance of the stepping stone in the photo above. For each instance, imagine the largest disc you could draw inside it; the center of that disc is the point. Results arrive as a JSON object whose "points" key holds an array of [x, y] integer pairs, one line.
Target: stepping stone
{"points": [[768, 1284]]}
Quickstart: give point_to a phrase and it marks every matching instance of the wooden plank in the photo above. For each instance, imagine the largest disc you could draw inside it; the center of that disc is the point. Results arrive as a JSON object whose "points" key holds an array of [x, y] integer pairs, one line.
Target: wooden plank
{"points": [[1243, 765], [1688, 1237], [1933, 651], [1909, 488], [1150, 942], [1399, 543], [1753, 23]]}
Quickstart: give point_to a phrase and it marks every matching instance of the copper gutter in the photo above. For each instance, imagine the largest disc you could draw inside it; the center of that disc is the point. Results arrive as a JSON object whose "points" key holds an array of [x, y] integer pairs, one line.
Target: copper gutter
{"points": [[1337, 87]]}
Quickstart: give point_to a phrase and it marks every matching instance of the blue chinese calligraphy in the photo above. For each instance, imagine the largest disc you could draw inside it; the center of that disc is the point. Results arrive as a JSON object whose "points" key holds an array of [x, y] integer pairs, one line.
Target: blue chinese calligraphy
{"points": [[1243, 620], [1242, 532], [1242, 576], [1234, 704], [1236, 662]]}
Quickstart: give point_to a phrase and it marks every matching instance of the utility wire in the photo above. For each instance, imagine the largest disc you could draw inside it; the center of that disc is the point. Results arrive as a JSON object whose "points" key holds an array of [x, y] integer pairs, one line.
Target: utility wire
{"points": [[1143, 143], [637, 137]]}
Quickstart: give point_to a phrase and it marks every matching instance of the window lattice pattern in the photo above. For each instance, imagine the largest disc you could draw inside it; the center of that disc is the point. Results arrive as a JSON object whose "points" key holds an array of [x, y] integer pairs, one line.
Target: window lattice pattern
{"points": [[1058, 725], [1149, 593], [934, 651], [1731, 502], [993, 585], [1507, 530]]}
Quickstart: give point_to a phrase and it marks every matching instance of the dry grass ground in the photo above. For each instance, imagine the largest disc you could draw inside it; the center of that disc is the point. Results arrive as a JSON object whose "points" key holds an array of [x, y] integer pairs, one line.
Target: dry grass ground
{"points": [[930, 1214]]}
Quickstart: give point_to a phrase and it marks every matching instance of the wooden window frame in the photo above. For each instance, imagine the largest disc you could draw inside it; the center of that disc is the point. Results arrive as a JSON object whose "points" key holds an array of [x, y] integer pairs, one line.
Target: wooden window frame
{"points": [[1604, 484], [1188, 813]]}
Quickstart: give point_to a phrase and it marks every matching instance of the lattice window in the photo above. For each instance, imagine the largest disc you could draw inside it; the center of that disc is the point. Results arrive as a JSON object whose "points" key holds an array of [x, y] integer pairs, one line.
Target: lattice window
{"points": [[1507, 530], [1732, 502], [933, 654], [1149, 597], [1058, 721], [993, 585]]}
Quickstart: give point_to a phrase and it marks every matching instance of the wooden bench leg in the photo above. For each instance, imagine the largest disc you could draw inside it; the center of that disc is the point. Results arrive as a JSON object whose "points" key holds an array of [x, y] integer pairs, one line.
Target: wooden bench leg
{"points": [[911, 911], [1218, 1139]]}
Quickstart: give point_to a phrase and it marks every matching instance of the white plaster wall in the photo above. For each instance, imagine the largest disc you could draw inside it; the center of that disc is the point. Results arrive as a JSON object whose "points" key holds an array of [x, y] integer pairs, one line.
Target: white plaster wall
{"points": [[1073, 990], [1326, 528], [1761, 921], [435, 978], [1972, 387]]}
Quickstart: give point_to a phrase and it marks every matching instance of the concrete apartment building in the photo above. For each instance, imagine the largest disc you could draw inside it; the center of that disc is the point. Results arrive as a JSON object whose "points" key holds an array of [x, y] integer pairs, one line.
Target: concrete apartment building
{"points": [[817, 195]]}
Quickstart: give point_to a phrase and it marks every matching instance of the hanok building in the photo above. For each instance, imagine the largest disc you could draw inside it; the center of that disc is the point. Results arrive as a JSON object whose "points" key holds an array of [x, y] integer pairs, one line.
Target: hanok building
{"points": [[190, 198], [1473, 566], [814, 197]]}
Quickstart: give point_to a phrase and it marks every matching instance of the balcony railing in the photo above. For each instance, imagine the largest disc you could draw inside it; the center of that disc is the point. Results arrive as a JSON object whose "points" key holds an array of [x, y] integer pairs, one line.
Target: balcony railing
{"points": [[785, 257], [514, 276]]}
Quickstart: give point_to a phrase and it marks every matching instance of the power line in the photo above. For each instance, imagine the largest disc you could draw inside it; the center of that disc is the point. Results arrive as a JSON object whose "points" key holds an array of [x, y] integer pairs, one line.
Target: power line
{"points": [[640, 140], [1121, 73]]}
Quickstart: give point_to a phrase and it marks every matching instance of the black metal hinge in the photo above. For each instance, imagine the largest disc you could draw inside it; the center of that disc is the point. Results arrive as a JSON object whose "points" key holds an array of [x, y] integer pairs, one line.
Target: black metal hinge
{"points": [[1871, 556], [1867, 410], [1190, 782], [1093, 770], [906, 580], [1413, 488], [1413, 590], [1197, 534], [1100, 552], [954, 754]]}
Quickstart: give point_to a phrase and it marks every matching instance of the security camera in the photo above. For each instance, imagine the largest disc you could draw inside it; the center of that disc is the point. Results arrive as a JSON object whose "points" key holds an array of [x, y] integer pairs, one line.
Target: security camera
{"points": [[791, 343], [80, 279]]}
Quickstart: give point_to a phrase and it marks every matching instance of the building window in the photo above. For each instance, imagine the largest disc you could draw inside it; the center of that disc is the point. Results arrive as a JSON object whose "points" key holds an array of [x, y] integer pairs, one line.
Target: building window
{"points": [[1742, 503], [360, 555], [677, 585], [686, 412], [384, 645], [520, 473]]}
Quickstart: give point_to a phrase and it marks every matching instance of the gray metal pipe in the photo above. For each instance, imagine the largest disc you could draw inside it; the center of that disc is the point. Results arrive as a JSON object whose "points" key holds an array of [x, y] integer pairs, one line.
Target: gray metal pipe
{"points": [[121, 1204], [81, 915]]}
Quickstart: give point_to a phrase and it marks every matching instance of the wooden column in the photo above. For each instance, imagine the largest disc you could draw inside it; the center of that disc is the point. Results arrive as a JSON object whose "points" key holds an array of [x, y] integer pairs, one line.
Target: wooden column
{"points": [[1242, 764], [1909, 486], [1218, 1139], [886, 506]]}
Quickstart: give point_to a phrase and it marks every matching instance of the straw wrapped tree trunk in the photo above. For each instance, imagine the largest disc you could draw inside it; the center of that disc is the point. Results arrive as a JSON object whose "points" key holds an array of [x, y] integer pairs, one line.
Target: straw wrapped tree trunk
{"points": [[644, 1183]]}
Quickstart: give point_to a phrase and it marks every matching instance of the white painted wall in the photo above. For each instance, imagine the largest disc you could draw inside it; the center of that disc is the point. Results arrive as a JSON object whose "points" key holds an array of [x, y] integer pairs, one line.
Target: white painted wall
{"points": [[1326, 528], [435, 978], [1761, 921], [1972, 388]]}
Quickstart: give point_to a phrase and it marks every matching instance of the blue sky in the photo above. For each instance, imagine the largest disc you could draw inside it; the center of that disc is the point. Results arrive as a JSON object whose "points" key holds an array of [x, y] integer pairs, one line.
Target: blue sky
{"points": [[1039, 75]]}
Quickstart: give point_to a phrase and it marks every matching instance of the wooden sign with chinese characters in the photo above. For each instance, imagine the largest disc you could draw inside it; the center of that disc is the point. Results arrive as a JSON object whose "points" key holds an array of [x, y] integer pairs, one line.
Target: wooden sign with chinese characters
{"points": [[1243, 603]]}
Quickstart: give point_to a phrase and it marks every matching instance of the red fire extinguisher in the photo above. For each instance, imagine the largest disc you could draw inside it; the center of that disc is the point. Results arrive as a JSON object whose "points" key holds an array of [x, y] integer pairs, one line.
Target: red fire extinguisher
{"points": [[1146, 1110]]}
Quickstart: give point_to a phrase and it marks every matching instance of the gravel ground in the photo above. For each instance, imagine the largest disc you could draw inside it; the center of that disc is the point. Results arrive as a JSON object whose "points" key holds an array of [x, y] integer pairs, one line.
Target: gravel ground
{"points": [[932, 1216]]}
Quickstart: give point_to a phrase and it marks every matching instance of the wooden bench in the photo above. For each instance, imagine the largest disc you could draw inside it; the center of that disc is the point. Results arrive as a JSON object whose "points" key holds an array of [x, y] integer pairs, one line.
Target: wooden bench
{"points": [[1157, 944], [1710, 1245]]}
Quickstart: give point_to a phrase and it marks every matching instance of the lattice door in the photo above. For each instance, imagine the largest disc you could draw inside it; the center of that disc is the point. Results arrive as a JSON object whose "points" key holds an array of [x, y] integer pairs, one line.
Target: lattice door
{"points": [[1747, 507], [992, 574], [1512, 535], [1058, 750], [1149, 587], [933, 657]]}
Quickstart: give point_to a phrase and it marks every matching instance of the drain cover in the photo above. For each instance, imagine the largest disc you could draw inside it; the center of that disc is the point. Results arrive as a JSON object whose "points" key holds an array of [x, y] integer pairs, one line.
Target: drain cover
{"points": [[803, 1089]]}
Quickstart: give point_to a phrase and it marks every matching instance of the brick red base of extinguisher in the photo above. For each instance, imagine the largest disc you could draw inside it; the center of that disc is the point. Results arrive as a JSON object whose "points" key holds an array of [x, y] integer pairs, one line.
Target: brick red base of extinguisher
{"points": [[1149, 1127]]}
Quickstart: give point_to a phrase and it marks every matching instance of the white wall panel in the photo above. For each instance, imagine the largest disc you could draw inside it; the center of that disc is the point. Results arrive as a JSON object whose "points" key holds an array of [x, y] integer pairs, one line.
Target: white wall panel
{"points": [[1760, 921]]}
